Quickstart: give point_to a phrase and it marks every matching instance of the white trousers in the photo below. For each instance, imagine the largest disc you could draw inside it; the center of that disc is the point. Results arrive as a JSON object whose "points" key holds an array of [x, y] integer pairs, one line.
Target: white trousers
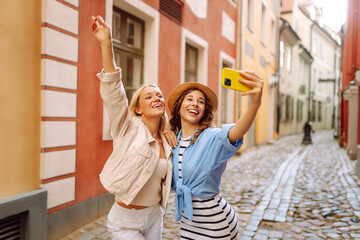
{"points": [[135, 224]]}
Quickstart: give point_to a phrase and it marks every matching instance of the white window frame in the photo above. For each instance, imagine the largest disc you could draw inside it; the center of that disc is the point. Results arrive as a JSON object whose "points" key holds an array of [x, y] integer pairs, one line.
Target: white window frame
{"points": [[315, 47], [273, 36], [230, 94], [250, 17], [202, 46], [288, 58], [263, 33], [234, 3], [151, 17], [282, 53]]}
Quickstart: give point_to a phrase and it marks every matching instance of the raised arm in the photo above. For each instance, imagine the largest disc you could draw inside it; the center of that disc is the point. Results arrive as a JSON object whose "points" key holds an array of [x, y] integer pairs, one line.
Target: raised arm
{"points": [[102, 33], [111, 88], [244, 123]]}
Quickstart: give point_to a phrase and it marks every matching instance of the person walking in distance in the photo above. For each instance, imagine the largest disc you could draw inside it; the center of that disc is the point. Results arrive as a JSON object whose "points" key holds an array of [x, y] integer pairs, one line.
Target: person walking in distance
{"points": [[201, 156], [138, 171]]}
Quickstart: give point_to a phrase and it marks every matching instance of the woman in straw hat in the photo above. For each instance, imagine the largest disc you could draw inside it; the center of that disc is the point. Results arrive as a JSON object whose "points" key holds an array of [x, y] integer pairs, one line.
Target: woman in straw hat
{"points": [[200, 158], [139, 170]]}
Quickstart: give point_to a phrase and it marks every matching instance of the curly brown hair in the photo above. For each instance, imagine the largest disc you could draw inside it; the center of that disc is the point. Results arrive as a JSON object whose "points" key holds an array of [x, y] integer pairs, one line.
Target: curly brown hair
{"points": [[205, 122]]}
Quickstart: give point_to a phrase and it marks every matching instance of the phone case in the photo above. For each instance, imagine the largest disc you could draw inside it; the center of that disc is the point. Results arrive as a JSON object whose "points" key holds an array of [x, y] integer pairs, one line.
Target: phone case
{"points": [[229, 79]]}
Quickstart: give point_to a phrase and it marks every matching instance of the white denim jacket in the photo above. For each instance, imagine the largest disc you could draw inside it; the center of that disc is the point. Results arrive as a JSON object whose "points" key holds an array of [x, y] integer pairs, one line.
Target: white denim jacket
{"points": [[135, 152]]}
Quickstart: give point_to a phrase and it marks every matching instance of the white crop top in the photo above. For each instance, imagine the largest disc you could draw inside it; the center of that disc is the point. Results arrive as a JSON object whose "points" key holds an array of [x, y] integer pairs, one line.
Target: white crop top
{"points": [[150, 194]]}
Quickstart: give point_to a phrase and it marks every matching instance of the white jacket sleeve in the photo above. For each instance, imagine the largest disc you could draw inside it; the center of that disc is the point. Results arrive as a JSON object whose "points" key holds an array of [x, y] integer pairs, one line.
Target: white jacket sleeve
{"points": [[116, 104]]}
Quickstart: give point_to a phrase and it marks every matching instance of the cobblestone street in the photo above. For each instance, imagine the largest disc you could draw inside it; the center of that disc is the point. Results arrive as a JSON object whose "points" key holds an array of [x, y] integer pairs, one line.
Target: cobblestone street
{"points": [[281, 190]]}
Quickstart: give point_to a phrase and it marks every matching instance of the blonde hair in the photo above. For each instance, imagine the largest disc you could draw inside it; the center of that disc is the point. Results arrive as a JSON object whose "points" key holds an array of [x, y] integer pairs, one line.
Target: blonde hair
{"points": [[134, 103]]}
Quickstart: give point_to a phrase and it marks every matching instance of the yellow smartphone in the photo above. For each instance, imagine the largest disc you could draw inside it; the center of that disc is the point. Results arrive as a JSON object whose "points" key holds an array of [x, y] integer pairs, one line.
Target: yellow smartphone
{"points": [[229, 79]]}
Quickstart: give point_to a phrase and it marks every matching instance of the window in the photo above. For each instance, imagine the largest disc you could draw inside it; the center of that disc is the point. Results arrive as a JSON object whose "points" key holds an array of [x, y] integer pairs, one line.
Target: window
{"points": [[273, 37], [289, 108], [282, 107], [263, 33], [224, 96], [313, 116], [251, 15], [319, 111], [191, 57], [282, 52], [299, 110], [128, 41], [315, 47], [288, 62], [301, 71]]}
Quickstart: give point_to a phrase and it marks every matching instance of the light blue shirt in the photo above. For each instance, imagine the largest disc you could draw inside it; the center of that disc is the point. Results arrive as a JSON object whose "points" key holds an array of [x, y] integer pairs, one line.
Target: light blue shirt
{"points": [[203, 164]]}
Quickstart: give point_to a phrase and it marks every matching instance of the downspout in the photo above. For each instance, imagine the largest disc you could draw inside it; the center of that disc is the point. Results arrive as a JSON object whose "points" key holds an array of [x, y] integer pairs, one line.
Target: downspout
{"points": [[343, 70], [334, 108], [355, 33], [239, 54], [278, 35], [310, 70]]}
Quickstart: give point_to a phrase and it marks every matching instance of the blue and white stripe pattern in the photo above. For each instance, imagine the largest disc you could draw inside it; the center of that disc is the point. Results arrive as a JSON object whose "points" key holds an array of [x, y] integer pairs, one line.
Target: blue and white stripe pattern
{"points": [[213, 218]]}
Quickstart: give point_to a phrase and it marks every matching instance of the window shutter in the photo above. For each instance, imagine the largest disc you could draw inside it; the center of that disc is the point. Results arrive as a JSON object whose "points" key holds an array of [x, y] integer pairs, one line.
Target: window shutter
{"points": [[172, 9]]}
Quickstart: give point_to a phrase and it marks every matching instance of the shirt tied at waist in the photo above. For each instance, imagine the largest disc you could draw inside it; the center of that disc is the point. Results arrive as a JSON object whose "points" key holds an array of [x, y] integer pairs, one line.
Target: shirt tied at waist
{"points": [[183, 201]]}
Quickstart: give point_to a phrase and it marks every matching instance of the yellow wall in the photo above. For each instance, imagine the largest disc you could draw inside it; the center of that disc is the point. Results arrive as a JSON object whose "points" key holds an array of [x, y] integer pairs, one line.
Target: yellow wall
{"points": [[262, 118], [20, 48]]}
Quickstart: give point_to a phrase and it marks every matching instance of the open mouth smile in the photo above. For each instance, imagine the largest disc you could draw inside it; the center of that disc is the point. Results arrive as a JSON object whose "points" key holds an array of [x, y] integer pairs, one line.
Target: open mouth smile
{"points": [[193, 111], [157, 106]]}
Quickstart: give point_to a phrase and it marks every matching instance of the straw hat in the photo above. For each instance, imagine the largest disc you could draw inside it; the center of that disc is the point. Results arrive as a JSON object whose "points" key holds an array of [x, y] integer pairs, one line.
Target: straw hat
{"points": [[176, 93]]}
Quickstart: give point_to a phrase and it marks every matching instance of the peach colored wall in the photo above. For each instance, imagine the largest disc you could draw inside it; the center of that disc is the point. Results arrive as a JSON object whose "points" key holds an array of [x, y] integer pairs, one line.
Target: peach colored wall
{"points": [[152, 3], [20, 47], [169, 55], [92, 152]]}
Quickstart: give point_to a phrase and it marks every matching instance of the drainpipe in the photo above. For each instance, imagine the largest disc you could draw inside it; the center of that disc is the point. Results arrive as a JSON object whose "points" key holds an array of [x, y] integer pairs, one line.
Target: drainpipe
{"points": [[343, 70], [278, 35], [239, 53], [334, 92], [355, 33], [310, 98]]}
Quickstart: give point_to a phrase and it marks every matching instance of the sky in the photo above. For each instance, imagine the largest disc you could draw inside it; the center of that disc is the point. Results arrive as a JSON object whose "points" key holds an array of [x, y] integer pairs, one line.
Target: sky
{"points": [[335, 12]]}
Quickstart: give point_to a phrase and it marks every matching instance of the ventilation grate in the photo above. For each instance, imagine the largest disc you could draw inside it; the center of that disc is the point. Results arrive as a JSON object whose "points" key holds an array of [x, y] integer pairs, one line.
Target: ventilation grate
{"points": [[172, 9], [12, 227]]}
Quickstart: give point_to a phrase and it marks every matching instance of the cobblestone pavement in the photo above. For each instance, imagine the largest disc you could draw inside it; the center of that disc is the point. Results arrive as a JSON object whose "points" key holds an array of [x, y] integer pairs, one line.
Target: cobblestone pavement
{"points": [[281, 190]]}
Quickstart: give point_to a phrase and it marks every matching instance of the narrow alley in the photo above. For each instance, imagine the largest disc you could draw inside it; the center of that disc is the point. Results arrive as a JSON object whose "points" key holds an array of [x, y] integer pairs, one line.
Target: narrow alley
{"points": [[281, 190]]}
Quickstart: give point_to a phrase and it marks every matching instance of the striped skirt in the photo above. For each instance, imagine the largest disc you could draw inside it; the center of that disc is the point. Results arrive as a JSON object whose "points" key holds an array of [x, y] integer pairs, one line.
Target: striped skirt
{"points": [[213, 218]]}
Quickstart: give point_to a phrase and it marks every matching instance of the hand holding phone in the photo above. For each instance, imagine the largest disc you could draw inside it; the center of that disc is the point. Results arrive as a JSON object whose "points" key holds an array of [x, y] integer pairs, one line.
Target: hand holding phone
{"points": [[229, 79]]}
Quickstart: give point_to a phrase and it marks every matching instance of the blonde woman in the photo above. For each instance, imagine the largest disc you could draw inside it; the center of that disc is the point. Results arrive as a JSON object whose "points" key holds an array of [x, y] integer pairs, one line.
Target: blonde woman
{"points": [[139, 170]]}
